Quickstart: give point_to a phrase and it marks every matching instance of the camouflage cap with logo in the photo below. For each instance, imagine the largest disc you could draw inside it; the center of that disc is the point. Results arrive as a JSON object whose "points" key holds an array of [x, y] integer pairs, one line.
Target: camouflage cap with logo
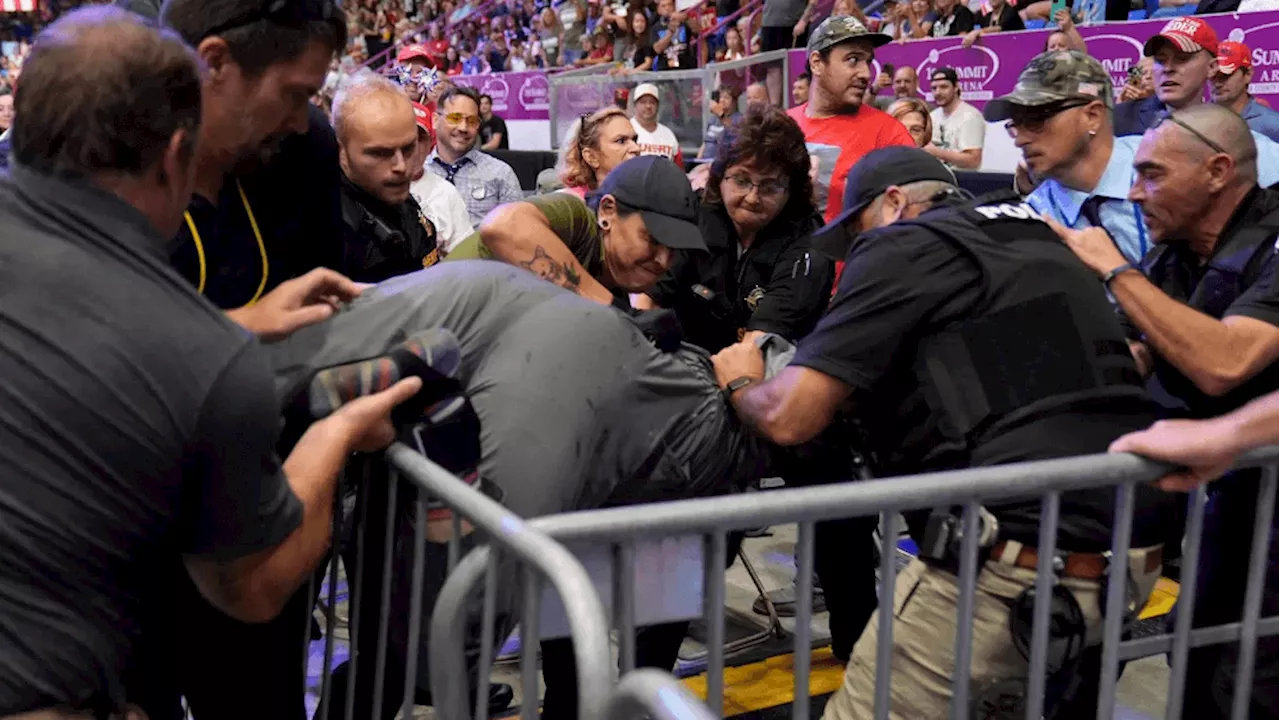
{"points": [[1052, 77], [839, 28]]}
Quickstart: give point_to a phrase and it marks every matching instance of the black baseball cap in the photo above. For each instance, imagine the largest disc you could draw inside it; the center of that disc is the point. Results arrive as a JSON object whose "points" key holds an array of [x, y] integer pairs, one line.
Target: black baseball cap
{"points": [[867, 180], [944, 73], [660, 192]]}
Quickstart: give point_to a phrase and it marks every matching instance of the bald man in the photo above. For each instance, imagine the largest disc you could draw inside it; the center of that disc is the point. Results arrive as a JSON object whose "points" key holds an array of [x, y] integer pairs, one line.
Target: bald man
{"points": [[1202, 315], [757, 93], [385, 232]]}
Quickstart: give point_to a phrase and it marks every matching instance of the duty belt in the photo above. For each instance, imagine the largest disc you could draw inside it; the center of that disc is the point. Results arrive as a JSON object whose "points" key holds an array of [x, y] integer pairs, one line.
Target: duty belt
{"points": [[1081, 566]]}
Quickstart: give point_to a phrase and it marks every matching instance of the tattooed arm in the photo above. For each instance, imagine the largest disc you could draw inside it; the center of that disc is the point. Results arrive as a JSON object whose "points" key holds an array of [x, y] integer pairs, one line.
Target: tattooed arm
{"points": [[520, 234]]}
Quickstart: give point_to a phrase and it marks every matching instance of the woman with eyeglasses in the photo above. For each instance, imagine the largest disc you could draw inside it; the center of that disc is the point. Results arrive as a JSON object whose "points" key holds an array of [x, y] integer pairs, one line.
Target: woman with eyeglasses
{"points": [[597, 144], [756, 215]]}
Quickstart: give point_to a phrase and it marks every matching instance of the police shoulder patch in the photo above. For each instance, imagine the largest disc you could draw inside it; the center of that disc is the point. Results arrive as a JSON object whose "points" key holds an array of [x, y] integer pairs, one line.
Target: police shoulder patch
{"points": [[1007, 211]]}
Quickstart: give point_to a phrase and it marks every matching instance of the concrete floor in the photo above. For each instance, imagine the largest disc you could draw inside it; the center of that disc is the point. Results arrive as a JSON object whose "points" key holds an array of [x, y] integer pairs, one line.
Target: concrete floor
{"points": [[1141, 694]]}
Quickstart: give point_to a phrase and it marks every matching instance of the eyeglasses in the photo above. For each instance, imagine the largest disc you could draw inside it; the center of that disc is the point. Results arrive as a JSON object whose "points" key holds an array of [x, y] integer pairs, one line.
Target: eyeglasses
{"points": [[766, 189], [457, 119], [287, 12], [1170, 118], [1033, 119]]}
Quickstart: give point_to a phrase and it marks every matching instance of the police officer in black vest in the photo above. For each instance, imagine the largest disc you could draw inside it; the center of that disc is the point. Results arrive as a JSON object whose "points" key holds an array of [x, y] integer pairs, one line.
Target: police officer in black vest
{"points": [[1202, 317], [962, 334], [385, 232]]}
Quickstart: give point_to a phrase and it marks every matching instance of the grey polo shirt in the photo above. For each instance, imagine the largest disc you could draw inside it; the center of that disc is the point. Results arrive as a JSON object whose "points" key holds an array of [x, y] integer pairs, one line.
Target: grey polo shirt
{"points": [[137, 424]]}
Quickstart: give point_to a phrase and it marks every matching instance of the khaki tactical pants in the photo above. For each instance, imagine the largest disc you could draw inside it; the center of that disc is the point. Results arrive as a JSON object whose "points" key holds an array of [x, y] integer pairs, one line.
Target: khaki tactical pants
{"points": [[924, 633]]}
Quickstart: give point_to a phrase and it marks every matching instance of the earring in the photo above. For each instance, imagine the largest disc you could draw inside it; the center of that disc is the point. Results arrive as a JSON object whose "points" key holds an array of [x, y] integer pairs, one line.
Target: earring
{"points": [[604, 224], [1093, 133]]}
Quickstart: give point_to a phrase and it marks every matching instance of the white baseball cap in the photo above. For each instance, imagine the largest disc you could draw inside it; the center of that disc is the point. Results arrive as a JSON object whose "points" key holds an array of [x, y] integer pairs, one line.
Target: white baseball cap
{"points": [[645, 89]]}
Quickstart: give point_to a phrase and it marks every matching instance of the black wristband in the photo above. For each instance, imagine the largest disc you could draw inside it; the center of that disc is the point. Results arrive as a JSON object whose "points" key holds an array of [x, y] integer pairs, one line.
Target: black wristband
{"points": [[1106, 279], [735, 385]]}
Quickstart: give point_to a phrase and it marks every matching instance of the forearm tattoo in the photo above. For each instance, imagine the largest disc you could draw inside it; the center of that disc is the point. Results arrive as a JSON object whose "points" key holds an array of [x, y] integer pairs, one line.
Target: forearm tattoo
{"points": [[547, 268]]}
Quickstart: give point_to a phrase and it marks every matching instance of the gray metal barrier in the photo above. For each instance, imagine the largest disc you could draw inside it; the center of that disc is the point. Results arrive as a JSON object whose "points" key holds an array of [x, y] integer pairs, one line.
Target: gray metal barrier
{"points": [[657, 696], [626, 529], [540, 559]]}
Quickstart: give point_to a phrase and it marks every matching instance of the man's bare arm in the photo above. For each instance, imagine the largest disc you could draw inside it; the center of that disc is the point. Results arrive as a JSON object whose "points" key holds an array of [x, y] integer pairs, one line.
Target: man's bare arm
{"points": [[519, 234], [792, 407], [1205, 448], [494, 142], [1217, 355]]}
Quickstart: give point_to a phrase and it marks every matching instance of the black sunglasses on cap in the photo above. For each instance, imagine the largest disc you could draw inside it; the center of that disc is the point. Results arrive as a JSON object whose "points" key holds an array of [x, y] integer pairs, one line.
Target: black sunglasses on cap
{"points": [[285, 12]]}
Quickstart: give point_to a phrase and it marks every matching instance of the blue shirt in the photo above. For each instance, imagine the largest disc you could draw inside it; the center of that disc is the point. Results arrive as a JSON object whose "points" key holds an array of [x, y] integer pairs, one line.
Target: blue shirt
{"points": [[1121, 218], [1262, 119]]}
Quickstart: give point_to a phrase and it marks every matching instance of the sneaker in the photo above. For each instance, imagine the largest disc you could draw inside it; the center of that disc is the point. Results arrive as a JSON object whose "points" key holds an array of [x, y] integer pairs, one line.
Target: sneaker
{"points": [[784, 601]]}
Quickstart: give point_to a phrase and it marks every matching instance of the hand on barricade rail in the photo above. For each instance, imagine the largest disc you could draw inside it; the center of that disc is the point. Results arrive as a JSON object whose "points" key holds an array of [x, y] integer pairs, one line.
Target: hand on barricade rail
{"points": [[1206, 448]]}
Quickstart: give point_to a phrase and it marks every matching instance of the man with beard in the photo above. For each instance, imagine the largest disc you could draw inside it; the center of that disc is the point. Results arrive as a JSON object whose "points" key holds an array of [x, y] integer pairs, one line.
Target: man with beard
{"points": [[385, 232], [266, 203], [266, 210], [839, 121]]}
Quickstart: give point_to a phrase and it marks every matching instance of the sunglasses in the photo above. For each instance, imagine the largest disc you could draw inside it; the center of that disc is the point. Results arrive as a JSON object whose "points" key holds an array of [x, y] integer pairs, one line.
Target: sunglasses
{"points": [[285, 12], [457, 119], [1200, 136], [1033, 119]]}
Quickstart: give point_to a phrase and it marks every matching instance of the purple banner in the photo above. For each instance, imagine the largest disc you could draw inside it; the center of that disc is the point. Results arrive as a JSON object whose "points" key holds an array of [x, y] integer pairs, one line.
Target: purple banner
{"points": [[990, 68], [516, 95]]}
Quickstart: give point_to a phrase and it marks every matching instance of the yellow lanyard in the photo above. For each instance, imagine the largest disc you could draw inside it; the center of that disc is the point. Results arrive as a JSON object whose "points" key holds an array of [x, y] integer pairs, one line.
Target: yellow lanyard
{"points": [[257, 235]]}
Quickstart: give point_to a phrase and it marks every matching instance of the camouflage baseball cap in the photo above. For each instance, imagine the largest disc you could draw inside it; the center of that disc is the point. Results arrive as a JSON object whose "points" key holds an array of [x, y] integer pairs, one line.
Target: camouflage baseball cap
{"points": [[839, 28], [1053, 77]]}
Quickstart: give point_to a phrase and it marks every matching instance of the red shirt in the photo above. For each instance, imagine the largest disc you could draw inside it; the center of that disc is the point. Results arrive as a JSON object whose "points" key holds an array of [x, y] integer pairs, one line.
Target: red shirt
{"points": [[856, 135]]}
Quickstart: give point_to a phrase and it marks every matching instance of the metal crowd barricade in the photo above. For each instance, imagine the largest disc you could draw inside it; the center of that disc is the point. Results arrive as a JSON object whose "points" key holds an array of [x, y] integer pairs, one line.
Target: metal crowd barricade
{"points": [[657, 696], [540, 559], [626, 528]]}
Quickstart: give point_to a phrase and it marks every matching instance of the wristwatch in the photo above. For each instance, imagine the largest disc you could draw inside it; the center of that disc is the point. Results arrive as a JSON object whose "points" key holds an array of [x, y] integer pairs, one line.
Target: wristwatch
{"points": [[735, 385]]}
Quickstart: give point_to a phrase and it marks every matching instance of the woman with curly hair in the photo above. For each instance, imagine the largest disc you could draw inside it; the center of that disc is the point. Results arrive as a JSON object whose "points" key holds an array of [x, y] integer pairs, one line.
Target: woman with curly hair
{"points": [[756, 216], [598, 143], [914, 115]]}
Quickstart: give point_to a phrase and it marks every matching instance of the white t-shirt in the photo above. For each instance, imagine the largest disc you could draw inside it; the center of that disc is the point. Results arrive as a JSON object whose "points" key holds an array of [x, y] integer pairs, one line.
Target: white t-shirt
{"points": [[659, 142], [963, 130], [444, 207]]}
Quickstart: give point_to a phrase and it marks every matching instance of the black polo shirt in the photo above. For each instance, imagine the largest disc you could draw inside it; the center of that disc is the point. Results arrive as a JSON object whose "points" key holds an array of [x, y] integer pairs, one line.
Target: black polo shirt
{"points": [[903, 284], [776, 285], [1239, 279], [137, 424], [294, 200]]}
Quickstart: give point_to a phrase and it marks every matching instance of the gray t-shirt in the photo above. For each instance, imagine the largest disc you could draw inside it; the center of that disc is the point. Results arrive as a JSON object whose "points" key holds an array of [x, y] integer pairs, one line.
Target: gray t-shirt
{"points": [[578, 409]]}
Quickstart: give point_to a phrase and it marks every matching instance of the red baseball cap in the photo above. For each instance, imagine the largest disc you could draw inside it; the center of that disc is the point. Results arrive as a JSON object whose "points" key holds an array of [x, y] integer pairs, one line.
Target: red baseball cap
{"points": [[415, 51], [422, 114], [1188, 35], [1233, 56]]}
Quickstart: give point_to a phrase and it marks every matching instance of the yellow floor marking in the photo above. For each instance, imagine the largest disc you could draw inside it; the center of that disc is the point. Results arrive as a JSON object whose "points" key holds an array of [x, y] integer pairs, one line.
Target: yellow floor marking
{"points": [[1161, 600], [771, 682]]}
